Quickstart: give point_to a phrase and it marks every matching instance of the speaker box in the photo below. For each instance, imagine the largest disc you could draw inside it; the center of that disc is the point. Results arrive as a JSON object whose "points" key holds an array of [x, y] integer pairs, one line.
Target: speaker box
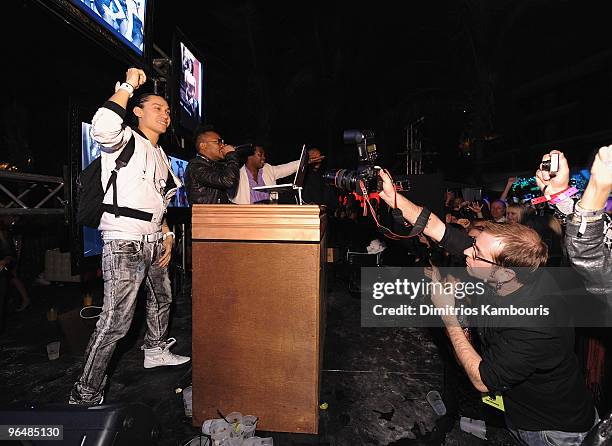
{"points": [[112, 424], [427, 190]]}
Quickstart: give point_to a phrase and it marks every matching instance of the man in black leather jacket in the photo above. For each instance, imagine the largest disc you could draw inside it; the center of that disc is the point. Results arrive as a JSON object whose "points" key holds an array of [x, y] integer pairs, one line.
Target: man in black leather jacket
{"points": [[213, 171]]}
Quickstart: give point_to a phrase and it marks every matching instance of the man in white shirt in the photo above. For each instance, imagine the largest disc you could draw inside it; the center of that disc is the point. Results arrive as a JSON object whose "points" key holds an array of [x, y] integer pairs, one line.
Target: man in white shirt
{"points": [[256, 172], [137, 248]]}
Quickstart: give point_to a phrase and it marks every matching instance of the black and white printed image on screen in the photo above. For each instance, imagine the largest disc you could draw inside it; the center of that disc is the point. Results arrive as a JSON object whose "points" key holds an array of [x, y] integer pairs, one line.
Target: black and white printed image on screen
{"points": [[124, 18], [90, 150], [190, 89], [178, 167]]}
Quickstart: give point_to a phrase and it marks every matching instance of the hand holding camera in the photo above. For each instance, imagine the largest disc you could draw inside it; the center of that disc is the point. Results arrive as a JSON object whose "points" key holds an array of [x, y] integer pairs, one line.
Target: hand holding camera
{"points": [[388, 188], [553, 174]]}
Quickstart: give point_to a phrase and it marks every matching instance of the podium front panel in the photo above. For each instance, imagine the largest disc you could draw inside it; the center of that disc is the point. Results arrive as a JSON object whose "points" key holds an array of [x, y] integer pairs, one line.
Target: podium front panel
{"points": [[258, 316]]}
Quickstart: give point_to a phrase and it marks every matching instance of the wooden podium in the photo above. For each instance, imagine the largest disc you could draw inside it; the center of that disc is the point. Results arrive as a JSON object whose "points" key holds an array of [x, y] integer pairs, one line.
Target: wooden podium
{"points": [[258, 292]]}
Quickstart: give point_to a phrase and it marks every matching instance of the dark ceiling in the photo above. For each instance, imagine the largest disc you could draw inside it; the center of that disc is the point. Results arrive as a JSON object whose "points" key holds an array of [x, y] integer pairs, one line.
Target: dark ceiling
{"points": [[506, 78]]}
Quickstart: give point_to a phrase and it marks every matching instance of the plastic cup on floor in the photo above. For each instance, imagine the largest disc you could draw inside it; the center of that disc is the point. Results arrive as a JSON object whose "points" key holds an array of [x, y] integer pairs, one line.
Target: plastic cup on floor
{"points": [[53, 350], [208, 423], [235, 421], [234, 418], [435, 400], [219, 432], [249, 423], [474, 427]]}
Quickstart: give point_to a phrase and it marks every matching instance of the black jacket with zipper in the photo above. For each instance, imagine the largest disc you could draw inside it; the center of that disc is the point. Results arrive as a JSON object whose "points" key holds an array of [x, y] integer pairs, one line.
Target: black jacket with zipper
{"points": [[209, 182]]}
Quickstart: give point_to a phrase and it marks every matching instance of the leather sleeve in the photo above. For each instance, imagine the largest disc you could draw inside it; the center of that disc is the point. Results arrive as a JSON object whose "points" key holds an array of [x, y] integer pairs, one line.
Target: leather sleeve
{"points": [[590, 256], [201, 177]]}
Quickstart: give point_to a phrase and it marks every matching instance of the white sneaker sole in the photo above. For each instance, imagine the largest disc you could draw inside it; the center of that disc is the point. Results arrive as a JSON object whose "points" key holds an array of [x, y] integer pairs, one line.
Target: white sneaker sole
{"points": [[152, 366]]}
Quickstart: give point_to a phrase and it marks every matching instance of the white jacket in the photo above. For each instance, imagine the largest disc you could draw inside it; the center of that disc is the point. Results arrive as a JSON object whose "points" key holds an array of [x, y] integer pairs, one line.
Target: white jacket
{"points": [[270, 175], [138, 183]]}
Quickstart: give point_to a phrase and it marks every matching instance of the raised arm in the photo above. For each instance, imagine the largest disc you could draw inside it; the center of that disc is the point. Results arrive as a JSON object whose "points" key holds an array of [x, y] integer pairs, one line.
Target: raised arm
{"points": [[584, 233], [435, 227], [107, 124], [224, 176], [509, 184], [600, 184], [284, 170]]}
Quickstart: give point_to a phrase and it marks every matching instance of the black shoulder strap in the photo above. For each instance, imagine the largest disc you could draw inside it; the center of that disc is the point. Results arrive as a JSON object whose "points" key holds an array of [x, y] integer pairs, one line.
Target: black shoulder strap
{"points": [[421, 222], [122, 160]]}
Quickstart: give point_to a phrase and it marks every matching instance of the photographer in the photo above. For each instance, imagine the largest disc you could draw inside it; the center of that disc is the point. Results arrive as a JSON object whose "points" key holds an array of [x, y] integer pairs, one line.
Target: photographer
{"points": [[534, 370]]}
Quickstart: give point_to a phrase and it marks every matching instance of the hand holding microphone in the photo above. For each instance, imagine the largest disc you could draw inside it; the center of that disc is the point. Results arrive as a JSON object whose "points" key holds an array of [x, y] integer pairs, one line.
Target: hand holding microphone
{"points": [[226, 148]]}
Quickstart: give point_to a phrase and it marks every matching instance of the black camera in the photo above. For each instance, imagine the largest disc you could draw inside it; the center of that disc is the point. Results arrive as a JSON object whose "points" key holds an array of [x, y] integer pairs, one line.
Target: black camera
{"points": [[348, 180], [366, 172], [366, 144]]}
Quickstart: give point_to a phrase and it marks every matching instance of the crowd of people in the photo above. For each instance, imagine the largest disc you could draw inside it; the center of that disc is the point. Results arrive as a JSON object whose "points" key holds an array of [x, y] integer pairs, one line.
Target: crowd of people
{"points": [[533, 369]]}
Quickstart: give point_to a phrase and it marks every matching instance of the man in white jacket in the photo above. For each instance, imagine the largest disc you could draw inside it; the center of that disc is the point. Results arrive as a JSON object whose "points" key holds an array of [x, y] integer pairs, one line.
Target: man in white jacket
{"points": [[256, 172], [137, 245]]}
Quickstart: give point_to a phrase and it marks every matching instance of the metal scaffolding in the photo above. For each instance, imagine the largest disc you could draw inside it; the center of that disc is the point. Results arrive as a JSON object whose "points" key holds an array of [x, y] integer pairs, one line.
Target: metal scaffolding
{"points": [[414, 149], [19, 188]]}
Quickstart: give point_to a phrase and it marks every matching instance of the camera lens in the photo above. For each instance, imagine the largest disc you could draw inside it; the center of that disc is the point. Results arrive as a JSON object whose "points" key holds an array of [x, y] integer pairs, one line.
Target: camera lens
{"points": [[342, 179]]}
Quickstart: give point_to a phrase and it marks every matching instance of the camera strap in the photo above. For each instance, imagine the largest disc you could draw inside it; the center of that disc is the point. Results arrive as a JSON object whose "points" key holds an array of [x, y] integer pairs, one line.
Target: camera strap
{"points": [[421, 222], [400, 222]]}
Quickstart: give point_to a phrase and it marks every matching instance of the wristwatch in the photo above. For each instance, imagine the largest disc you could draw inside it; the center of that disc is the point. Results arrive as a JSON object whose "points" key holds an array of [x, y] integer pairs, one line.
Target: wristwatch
{"points": [[125, 86]]}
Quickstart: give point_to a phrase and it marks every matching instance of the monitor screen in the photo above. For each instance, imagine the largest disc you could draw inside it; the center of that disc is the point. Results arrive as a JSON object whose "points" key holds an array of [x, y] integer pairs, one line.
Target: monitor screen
{"points": [[90, 150], [125, 19], [190, 87], [178, 167]]}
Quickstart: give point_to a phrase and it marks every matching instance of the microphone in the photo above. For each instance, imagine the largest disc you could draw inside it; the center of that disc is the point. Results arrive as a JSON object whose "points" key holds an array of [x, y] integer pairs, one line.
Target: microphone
{"points": [[245, 150]]}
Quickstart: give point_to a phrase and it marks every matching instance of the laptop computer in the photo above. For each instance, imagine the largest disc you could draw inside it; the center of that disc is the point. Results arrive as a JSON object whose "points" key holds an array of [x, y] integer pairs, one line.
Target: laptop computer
{"points": [[298, 179]]}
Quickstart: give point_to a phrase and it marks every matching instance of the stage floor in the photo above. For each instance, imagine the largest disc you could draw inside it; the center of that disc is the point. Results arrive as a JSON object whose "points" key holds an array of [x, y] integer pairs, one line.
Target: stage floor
{"points": [[374, 380]]}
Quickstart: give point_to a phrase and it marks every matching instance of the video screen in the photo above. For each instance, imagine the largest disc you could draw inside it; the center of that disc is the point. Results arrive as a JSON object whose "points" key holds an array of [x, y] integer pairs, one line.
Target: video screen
{"points": [[90, 150], [124, 18], [178, 167], [190, 89]]}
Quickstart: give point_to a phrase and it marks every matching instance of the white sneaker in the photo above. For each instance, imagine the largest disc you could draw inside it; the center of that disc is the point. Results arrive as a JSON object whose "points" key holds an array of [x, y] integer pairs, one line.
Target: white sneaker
{"points": [[157, 357]]}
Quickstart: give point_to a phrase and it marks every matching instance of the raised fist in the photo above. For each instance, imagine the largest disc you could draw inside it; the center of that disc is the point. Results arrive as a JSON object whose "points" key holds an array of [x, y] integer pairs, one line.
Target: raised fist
{"points": [[135, 77], [601, 170]]}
